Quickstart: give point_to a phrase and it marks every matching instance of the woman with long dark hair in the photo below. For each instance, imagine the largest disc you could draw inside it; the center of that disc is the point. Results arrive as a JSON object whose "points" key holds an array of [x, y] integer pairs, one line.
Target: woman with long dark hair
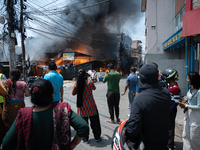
{"points": [[191, 131], [14, 100], [87, 108], [45, 125]]}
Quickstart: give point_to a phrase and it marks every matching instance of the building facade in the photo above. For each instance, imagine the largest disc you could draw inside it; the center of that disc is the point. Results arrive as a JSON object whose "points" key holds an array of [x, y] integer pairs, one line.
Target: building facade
{"points": [[136, 51], [172, 35]]}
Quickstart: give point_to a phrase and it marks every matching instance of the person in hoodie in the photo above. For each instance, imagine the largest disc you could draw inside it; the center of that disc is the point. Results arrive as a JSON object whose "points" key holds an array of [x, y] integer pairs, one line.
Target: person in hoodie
{"points": [[149, 117], [161, 81]]}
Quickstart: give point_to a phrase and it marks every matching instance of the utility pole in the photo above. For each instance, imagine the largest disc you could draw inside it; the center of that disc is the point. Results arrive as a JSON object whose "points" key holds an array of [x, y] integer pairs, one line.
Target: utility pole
{"points": [[22, 42], [12, 38]]}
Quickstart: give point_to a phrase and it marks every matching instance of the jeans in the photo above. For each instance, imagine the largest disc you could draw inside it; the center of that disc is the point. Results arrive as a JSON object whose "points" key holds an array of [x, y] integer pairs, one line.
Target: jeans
{"points": [[131, 95], [172, 129]]}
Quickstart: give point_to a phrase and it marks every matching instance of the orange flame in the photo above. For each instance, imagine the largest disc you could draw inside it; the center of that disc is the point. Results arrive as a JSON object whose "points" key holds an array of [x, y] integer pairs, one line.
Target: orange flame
{"points": [[41, 69], [101, 69], [79, 61], [60, 62]]}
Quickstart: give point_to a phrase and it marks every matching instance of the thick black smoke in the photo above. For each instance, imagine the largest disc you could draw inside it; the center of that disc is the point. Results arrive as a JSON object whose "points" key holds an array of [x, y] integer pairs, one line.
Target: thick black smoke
{"points": [[100, 26], [97, 24]]}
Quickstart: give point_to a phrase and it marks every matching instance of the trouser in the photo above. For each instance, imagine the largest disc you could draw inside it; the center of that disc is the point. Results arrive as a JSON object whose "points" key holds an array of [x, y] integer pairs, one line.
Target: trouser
{"points": [[2, 129], [113, 103], [172, 128], [191, 130], [95, 126], [131, 95], [2, 126]]}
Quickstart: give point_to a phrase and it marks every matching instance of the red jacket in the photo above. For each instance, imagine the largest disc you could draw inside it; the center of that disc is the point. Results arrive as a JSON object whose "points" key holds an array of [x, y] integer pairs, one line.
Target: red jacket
{"points": [[175, 96]]}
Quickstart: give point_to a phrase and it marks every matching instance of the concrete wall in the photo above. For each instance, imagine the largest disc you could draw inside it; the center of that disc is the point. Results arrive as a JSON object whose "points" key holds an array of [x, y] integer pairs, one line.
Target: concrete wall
{"points": [[159, 13], [178, 64]]}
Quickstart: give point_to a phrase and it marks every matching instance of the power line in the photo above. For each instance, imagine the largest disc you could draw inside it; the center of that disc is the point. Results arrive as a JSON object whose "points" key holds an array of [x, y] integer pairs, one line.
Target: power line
{"points": [[62, 26], [54, 21], [69, 5], [45, 36], [67, 11], [47, 32], [52, 27], [59, 24]]}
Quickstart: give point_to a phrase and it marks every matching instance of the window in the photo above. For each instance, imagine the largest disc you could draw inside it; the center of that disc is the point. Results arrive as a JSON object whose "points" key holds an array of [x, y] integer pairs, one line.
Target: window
{"points": [[181, 15], [197, 51], [179, 19]]}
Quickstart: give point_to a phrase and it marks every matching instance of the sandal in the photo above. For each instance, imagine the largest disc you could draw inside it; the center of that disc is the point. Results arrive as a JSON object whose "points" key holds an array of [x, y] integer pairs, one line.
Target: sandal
{"points": [[98, 140], [118, 120], [111, 121], [84, 141]]}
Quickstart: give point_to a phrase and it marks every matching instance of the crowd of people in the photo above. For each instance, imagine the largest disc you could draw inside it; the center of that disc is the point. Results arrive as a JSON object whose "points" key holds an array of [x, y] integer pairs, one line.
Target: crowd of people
{"points": [[153, 100]]}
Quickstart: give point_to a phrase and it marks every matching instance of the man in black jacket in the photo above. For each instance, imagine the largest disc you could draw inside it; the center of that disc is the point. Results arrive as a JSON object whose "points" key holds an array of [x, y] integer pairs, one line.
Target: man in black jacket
{"points": [[149, 118]]}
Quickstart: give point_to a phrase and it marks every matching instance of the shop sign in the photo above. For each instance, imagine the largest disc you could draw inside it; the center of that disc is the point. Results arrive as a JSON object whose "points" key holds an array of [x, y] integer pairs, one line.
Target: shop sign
{"points": [[68, 56], [173, 39]]}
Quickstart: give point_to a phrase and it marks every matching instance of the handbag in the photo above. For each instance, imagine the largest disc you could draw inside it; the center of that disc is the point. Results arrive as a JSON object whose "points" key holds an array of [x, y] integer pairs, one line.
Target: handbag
{"points": [[8, 86], [186, 109]]}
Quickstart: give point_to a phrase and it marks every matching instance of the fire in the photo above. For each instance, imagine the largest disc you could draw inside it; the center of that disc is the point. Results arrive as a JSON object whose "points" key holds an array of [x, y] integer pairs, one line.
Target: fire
{"points": [[41, 69], [101, 69], [82, 48], [60, 62], [79, 61]]}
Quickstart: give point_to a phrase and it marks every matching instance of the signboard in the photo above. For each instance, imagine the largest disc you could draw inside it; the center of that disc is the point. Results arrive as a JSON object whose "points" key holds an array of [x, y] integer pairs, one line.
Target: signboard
{"points": [[174, 39], [68, 56]]}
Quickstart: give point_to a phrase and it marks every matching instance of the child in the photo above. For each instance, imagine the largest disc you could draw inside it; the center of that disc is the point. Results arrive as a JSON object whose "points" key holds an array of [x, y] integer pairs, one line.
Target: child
{"points": [[171, 76]]}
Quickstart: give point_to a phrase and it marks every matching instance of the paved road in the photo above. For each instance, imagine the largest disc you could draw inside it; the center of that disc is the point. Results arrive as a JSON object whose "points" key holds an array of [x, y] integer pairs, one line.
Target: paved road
{"points": [[107, 129]]}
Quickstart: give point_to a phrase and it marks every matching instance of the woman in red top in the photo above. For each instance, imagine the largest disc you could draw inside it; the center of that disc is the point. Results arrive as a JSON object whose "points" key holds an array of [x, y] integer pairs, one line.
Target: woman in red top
{"points": [[86, 104]]}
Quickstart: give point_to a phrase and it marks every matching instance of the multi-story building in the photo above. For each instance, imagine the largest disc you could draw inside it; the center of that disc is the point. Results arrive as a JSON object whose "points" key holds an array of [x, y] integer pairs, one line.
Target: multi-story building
{"points": [[172, 35], [136, 50], [191, 32]]}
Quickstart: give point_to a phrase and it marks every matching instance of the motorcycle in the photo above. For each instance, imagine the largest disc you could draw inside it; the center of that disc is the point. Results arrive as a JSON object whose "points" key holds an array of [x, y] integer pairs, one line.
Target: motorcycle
{"points": [[120, 141]]}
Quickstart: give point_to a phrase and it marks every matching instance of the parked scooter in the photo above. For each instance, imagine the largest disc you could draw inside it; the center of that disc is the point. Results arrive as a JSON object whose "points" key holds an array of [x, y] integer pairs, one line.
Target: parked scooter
{"points": [[93, 75]]}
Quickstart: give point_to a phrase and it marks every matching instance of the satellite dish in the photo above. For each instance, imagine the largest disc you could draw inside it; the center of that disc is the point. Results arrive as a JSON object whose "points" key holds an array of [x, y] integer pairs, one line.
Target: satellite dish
{"points": [[2, 19]]}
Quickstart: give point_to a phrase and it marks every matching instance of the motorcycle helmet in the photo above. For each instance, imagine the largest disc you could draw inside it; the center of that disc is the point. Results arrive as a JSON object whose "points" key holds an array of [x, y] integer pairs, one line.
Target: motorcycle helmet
{"points": [[170, 74]]}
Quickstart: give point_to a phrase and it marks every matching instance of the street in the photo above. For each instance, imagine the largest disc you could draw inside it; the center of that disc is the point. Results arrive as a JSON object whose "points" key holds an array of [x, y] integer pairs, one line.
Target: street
{"points": [[107, 128], [90, 34]]}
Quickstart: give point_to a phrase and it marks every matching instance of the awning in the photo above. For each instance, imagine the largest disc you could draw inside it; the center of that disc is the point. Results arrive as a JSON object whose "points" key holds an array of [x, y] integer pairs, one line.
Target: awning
{"points": [[175, 41]]}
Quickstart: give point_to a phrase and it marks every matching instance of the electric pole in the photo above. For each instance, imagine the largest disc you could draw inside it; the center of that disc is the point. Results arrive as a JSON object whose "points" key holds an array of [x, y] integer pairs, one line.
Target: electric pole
{"points": [[22, 41], [12, 38]]}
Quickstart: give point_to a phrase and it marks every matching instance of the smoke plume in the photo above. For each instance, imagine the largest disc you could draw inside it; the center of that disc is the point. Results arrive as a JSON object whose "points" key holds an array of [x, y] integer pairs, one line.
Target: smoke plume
{"points": [[93, 27]]}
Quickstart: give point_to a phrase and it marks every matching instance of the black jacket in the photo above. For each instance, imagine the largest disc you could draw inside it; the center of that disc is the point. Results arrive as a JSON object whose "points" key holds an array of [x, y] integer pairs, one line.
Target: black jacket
{"points": [[150, 116]]}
